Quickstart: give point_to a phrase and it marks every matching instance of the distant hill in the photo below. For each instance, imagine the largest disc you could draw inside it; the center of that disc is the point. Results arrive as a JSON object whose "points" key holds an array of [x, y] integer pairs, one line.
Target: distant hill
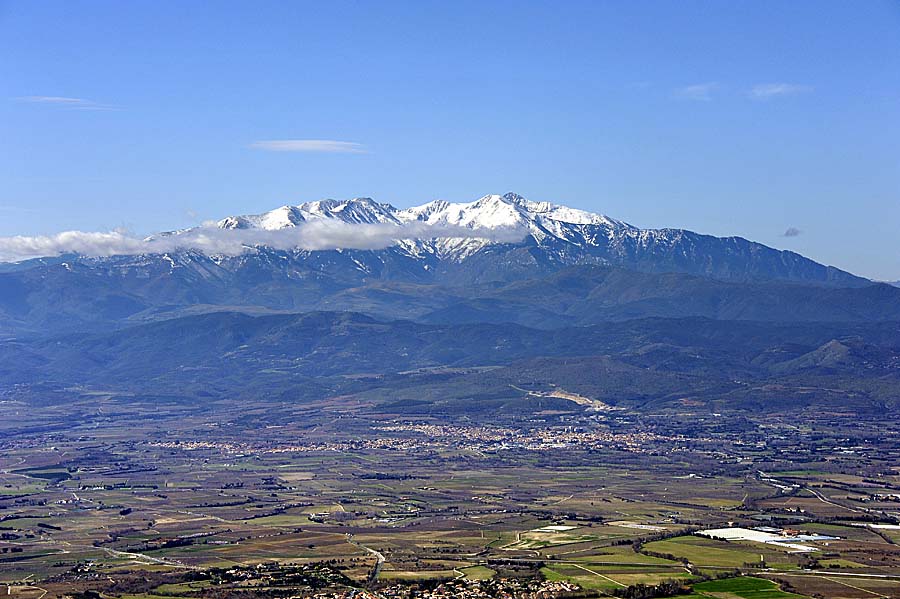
{"points": [[104, 294], [321, 353]]}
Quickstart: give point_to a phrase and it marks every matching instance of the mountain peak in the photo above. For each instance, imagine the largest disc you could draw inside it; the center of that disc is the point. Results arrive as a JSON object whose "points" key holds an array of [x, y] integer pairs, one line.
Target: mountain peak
{"points": [[354, 211], [492, 211], [559, 235]]}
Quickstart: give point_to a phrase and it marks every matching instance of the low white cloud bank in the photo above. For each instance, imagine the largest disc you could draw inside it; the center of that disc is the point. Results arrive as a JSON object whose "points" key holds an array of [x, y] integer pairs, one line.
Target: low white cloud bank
{"points": [[213, 241]]}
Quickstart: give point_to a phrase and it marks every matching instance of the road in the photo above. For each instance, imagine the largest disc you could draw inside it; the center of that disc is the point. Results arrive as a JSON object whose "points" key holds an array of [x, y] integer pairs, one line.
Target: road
{"points": [[379, 559]]}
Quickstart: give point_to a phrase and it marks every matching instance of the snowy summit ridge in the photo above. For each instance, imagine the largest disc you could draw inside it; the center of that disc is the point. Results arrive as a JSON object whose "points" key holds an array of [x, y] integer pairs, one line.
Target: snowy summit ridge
{"points": [[443, 236], [541, 221], [489, 212], [494, 238]]}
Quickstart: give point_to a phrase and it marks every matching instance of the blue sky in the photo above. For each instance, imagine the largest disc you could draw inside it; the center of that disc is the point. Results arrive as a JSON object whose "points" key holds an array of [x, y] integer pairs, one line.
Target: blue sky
{"points": [[730, 118]]}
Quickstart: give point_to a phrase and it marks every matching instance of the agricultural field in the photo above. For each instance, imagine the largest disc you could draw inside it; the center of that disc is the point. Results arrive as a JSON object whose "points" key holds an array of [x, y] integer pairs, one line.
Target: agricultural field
{"points": [[744, 587], [288, 499]]}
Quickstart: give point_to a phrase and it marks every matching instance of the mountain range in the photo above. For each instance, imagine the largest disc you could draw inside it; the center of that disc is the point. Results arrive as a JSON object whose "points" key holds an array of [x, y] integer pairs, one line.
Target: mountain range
{"points": [[675, 272], [551, 236], [529, 294]]}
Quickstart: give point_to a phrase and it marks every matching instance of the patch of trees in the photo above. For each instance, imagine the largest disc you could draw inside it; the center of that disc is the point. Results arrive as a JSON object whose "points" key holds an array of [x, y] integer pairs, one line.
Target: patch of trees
{"points": [[787, 587], [638, 544], [667, 588], [383, 476], [220, 504]]}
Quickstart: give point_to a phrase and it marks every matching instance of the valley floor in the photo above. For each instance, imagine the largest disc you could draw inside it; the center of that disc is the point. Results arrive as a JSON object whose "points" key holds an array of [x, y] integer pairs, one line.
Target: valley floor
{"points": [[139, 499]]}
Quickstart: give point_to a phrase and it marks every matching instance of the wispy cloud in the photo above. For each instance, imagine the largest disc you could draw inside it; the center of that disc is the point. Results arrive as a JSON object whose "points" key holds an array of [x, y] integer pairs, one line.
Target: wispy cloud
{"points": [[310, 145], [767, 91], [211, 240], [792, 232], [69, 103], [17, 209], [700, 92]]}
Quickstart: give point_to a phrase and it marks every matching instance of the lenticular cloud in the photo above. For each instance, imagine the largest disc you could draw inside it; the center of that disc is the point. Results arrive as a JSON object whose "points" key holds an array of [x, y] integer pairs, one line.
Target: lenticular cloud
{"points": [[211, 240]]}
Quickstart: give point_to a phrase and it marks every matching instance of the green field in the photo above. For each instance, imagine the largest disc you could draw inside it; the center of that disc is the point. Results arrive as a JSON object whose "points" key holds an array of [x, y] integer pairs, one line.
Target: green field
{"points": [[709, 552], [744, 587], [584, 578], [478, 572]]}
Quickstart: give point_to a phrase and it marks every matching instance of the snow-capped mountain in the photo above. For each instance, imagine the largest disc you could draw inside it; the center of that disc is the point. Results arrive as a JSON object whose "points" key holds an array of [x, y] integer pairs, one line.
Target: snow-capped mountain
{"points": [[492, 239], [540, 221], [509, 211], [442, 256], [356, 211], [550, 236]]}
